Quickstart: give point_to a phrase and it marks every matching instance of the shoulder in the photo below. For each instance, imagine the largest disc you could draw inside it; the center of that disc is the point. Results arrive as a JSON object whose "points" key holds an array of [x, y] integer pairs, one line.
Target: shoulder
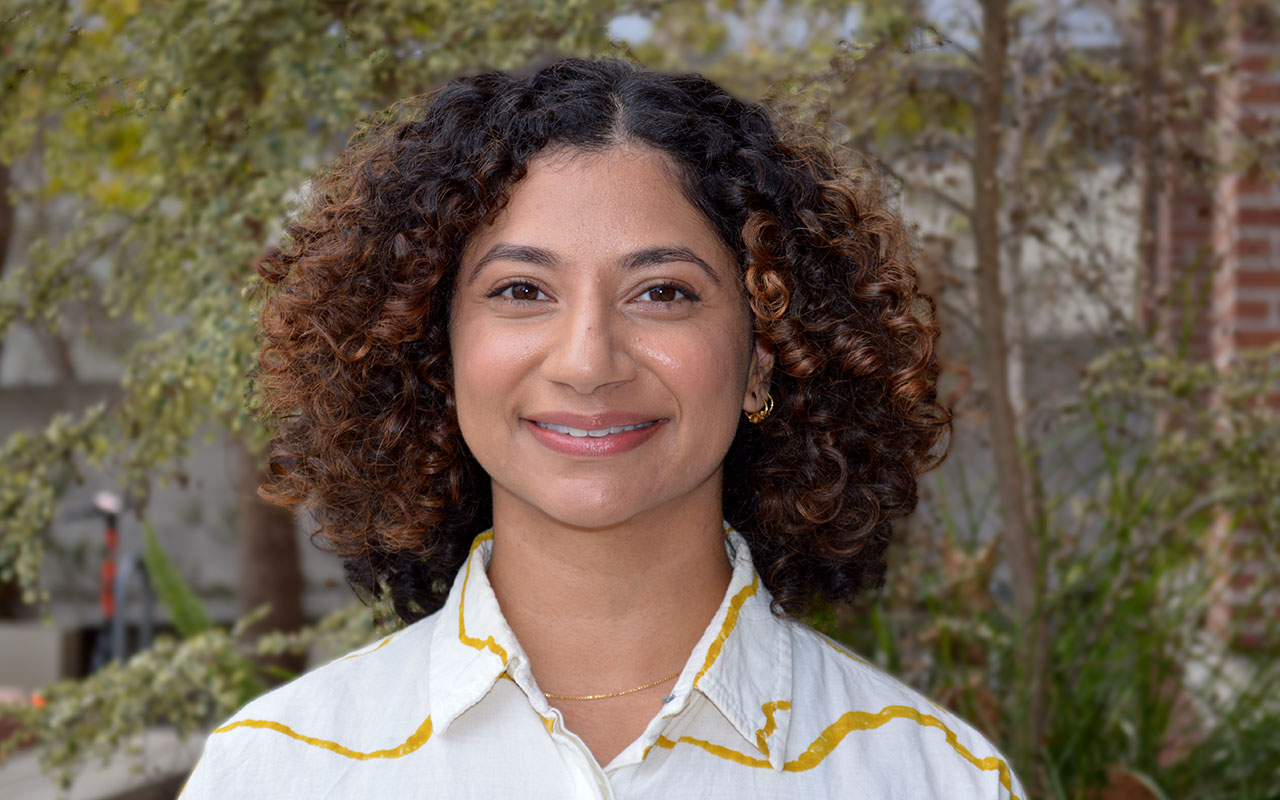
{"points": [[846, 675], [840, 696], [364, 679], [345, 707]]}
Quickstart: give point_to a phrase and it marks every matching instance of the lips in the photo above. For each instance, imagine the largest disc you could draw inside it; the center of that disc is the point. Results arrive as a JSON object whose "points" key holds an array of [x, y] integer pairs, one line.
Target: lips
{"points": [[592, 436], [591, 422], [595, 434]]}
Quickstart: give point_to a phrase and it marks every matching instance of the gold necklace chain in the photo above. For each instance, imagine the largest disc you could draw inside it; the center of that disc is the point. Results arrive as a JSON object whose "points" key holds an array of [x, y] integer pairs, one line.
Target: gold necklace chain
{"points": [[610, 694]]}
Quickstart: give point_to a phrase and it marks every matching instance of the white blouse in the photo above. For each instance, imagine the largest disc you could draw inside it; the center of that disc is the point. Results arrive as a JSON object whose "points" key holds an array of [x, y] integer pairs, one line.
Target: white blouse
{"points": [[447, 707]]}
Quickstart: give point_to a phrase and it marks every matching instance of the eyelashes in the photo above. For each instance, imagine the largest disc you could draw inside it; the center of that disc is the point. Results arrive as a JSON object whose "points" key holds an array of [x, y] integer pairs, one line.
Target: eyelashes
{"points": [[524, 291], [518, 292], [668, 290]]}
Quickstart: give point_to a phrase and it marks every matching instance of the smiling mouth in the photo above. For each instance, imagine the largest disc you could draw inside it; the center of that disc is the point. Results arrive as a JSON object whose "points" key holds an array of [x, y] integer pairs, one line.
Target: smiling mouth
{"points": [[594, 434]]}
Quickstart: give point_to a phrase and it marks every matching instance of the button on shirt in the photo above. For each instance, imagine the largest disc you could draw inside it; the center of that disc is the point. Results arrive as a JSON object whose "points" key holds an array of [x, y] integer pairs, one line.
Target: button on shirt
{"points": [[448, 707]]}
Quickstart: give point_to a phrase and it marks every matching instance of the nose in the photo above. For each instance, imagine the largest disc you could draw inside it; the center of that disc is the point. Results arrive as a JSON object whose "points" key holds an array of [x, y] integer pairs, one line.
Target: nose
{"points": [[587, 350]]}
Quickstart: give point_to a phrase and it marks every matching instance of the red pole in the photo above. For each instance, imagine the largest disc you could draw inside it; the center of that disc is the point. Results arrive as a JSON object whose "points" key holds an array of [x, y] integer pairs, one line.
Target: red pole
{"points": [[111, 540]]}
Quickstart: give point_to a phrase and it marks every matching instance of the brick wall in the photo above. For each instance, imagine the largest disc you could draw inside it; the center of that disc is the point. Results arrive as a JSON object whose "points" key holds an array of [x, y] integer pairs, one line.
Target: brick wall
{"points": [[1244, 308], [1213, 256], [1179, 189]]}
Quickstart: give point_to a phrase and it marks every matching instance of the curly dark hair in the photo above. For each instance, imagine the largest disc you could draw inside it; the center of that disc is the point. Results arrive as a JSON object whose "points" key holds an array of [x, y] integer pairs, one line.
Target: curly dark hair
{"points": [[355, 378]]}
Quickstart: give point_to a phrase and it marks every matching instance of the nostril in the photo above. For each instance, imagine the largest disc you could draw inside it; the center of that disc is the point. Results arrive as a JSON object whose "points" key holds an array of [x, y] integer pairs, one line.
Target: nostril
{"points": [[588, 354]]}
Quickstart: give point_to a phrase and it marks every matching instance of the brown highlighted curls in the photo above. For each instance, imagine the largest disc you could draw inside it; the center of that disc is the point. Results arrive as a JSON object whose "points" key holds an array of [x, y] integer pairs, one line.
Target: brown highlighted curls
{"points": [[355, 378]]}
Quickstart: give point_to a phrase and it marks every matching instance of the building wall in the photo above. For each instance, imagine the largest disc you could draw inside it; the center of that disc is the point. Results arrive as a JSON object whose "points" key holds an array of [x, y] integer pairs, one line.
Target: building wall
{"points": [[195, 522], [1244, 239]]}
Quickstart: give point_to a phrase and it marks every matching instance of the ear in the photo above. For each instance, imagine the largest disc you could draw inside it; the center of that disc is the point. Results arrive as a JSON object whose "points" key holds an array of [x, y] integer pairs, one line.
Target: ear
{"points": [[758, 375]]}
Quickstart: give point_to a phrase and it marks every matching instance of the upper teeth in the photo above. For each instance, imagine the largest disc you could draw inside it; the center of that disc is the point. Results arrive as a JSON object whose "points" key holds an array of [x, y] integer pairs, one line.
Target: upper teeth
{"points": [[580, 432]]}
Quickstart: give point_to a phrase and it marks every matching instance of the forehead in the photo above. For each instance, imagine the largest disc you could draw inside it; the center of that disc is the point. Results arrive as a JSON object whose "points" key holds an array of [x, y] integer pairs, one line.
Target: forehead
{"points": [[600, 204]]}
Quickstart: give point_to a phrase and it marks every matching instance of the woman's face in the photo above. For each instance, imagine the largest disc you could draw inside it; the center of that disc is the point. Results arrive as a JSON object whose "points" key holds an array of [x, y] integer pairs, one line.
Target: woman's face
{"points": [[602, 344]]}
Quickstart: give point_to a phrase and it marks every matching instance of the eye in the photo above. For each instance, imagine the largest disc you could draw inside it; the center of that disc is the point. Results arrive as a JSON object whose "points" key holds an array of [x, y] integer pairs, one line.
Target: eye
{"points": [[666, 293], [520, 291]]}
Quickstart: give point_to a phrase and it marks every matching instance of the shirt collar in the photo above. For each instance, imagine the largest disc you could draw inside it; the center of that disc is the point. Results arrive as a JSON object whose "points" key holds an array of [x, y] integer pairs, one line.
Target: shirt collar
{"points": [[472, 645], [742, 663]]}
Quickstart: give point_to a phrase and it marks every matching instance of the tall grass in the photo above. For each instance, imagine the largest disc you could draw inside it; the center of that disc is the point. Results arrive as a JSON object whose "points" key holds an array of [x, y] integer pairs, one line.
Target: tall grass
{"points": [[1142, 482]]}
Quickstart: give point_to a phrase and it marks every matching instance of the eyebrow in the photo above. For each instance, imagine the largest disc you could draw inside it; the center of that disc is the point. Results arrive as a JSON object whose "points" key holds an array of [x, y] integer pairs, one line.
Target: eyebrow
{"points": [[646, 257]]}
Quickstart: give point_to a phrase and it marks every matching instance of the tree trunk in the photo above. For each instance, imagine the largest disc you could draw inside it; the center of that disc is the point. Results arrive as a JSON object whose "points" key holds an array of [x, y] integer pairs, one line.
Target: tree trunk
{"points": [[57, 348], [270, 572], [1018, 205], [1019, 541], [10, 597], [6, 230], [1156, 176]]}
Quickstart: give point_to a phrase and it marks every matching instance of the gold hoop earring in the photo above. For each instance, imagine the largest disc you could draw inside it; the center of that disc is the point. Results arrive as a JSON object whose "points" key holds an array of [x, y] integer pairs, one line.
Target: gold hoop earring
{"points": [[756, 417]]}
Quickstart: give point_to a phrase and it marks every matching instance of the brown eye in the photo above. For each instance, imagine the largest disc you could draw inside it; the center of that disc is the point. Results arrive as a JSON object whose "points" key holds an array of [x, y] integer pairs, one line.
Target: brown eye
{"points": [[666, 294], [524, 292]]}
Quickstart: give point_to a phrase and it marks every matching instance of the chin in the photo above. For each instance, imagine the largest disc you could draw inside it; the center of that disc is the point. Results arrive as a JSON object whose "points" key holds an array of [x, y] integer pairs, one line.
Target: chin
{"points": [[591, 515], [588, 507]]}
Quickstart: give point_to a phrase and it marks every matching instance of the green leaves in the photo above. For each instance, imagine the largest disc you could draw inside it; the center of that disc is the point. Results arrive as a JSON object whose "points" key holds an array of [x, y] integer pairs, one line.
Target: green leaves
{"points": [[188, 612], [170, 142], [164, 142], [170, 136]]}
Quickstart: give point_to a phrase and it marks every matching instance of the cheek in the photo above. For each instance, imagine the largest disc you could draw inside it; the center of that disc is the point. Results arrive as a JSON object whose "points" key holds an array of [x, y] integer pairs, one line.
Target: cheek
{"points": [[706, 372], [489, 355], [487, 365]]}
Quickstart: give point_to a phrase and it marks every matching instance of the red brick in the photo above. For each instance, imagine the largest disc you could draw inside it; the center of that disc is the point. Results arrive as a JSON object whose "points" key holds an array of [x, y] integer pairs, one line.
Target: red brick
{"points": [[1259, 64], [1198, 219], [1193, 230], [1252, 641], [1254, 125], [1248, 213], [1258, 339], [1259, 216], [1252, 247], [1251, 309], [1243, 579], [1255, 186], [1262, 92], [1259, 34], [1258, 278], [1193, 266]]}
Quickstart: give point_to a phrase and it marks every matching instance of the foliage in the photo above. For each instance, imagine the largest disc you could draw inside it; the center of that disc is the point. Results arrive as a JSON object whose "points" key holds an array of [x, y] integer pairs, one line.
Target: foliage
{"points": [[182, 684], [180, 132], [36, 467], [186, 684], [188, 612], [1073, 142], [1131, 549], [1129, 611], [1240, 756]]}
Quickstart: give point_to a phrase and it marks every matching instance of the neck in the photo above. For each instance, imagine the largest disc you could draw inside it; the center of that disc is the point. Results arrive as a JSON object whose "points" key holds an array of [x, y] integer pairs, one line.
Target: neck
{"points": [[606, 609]]}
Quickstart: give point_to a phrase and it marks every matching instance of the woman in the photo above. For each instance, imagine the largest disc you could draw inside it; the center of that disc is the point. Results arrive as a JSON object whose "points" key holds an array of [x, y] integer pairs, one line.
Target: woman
{"points": [[677, 370]]}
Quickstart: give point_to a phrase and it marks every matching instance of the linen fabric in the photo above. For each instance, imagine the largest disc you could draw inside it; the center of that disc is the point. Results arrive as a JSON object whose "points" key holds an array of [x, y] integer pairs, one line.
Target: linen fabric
{"points": [[448, 707]]}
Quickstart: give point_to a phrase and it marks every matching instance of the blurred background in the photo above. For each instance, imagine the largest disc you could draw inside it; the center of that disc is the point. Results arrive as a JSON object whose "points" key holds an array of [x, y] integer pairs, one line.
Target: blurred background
{"points": [[1091, 577]]}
